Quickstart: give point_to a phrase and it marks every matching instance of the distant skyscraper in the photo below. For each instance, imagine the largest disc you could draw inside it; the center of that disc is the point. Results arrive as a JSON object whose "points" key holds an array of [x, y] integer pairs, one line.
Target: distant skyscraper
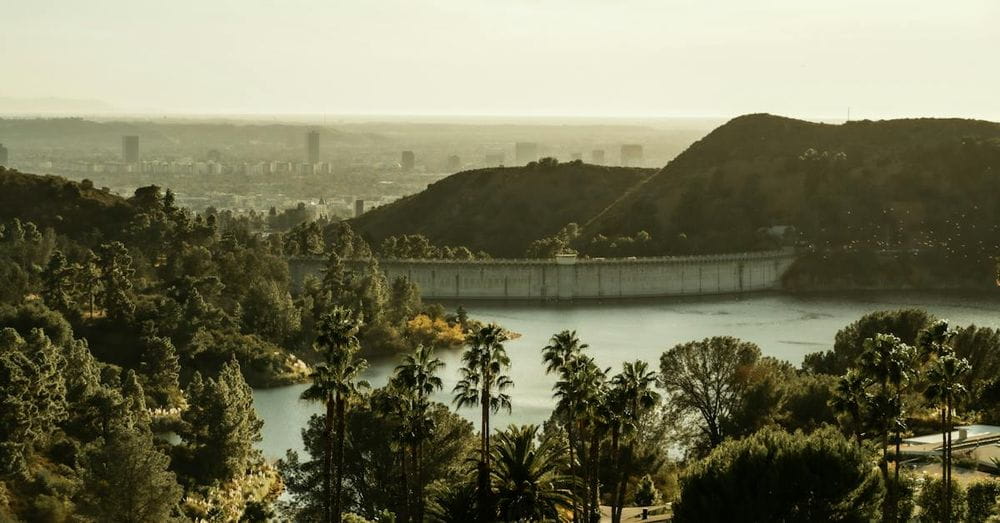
{"points": [[408, 160], [494, 160], [3, 155], [454, 163], [576, 156], [359, 208], [525, 152], [631, 155], [312, 146], [597, 157], [130, 149]]}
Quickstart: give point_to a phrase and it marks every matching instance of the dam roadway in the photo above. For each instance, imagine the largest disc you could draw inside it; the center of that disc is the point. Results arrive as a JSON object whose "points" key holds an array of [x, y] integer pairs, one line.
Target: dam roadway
{"points": [[567, 277]]}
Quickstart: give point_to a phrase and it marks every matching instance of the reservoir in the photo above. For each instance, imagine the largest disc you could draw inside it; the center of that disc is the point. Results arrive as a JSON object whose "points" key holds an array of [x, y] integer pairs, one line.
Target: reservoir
{"points": [[785, 326]]}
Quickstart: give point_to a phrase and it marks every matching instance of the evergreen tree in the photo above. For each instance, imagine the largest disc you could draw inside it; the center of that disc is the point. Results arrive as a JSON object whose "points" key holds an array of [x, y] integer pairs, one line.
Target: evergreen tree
{"points": [[89, 279], [161, 368], [32, 395], [221, 425], [58, 285], [116, 281], [126, 479]]}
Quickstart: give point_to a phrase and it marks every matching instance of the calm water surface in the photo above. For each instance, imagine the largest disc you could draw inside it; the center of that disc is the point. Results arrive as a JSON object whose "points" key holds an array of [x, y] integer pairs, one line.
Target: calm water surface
{"points": [[784, 326]]}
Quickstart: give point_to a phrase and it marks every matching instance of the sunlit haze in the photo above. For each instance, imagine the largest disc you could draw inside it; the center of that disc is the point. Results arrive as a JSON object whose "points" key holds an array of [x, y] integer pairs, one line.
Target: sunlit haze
{"points": [[637, 58]]}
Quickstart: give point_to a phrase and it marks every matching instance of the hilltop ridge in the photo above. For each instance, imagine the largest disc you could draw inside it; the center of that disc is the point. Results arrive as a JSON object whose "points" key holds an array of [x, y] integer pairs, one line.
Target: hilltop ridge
{"points": [[502, 210]]}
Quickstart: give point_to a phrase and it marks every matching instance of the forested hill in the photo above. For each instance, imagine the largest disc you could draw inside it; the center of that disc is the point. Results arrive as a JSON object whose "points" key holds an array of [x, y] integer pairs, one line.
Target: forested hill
{"points": [[895, 183], [502, 210], [71, 208]]}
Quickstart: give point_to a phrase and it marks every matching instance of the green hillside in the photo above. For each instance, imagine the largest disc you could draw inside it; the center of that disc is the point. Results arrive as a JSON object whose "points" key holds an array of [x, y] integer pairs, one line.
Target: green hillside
{"points": [[501, 211], [76, 209], [886, 184]]}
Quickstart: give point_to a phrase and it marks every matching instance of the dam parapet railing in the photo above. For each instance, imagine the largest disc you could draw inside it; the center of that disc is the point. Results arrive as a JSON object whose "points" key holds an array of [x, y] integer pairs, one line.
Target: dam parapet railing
{"points": [[567, 277]]}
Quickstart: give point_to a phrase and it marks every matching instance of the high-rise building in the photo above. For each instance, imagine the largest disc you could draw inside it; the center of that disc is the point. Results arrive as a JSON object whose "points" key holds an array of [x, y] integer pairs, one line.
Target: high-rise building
{"points": [[359, 208], [130, 149], [3, 155], [576, 156], [631, 155], [312, 146], [597, 157], [454, 163], [525, 152], [494, 160], [408, 160]]}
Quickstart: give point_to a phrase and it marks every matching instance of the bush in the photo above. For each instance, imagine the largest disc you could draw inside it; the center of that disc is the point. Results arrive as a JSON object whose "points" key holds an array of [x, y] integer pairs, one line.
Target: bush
{"points": [[932, 505], [981, 498], [773, 475], [646, 493]]}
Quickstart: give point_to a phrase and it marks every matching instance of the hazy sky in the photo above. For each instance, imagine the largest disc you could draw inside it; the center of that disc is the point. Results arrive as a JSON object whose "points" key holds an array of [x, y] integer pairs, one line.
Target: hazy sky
{"points": [[808, 58]]}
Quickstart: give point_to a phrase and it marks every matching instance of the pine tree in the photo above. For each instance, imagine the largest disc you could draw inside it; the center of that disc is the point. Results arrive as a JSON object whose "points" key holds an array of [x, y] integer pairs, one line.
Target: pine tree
{"points": [[32, 395], [221, 424], [89, 280], [116, 281], [58, 286], [126, 479], [161, 368]]}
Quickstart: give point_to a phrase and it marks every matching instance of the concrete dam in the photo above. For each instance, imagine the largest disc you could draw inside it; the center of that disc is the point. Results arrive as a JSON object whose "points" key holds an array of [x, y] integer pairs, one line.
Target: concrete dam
{"points": [[567, 277]]}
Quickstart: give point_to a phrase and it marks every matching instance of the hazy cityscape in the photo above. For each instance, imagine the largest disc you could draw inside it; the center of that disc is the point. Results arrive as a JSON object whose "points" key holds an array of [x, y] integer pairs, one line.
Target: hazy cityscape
{"points": [[456, 261], [249, 164]]}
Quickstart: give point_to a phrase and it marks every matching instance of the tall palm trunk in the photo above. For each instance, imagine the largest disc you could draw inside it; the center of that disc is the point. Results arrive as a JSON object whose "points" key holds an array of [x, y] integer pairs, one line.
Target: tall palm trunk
{"points": [[419, 465], [615, 473], [585, 477], [328, 462], [595, 451], [883, 466], [486, 514], [339, 491], [944, 455], [626, 472], [895, 483], [947, 485], [405, 515], [570, 435]]}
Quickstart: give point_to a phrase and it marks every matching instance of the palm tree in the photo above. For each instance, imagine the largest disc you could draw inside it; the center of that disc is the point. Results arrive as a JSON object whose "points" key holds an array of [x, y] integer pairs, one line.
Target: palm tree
{"points": [[416, 377], [888, 363], [529, 484], [945, 388], [484, 383], [336, 383], [850, 395], [581, 400], [454, 505], [559, 356], [562, 349], [933, 342], [633, 395]]}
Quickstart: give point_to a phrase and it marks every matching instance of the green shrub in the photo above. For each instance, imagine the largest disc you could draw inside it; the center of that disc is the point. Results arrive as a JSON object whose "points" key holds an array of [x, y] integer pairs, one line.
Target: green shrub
{"points": [[646, 493], [981, 497], [931, 501]]}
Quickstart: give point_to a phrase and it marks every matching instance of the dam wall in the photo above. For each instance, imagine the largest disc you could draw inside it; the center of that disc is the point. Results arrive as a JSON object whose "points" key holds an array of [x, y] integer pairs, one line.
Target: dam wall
{"points": [[567, 277]]}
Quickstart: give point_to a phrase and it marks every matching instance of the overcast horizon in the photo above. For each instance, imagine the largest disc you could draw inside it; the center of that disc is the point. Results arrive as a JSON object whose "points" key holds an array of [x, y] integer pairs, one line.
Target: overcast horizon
{"points": [[464, 59]]}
